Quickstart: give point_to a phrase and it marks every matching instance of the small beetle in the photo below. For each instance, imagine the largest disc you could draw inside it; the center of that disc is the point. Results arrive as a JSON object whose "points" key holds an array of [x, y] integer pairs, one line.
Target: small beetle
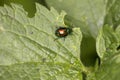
{"points": [[62, 32]]}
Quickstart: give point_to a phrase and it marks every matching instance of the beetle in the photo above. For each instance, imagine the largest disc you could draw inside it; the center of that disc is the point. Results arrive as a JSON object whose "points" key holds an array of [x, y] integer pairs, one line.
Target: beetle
{"points": [[63, 32]]}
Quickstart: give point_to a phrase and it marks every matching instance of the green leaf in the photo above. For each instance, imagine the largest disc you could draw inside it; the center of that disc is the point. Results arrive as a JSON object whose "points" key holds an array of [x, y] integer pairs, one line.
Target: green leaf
{"points": [[39, 71], [28, 49], [107, 41], [90, 12], [113, 13], [108, 48], [28, 5], [89, 16]]}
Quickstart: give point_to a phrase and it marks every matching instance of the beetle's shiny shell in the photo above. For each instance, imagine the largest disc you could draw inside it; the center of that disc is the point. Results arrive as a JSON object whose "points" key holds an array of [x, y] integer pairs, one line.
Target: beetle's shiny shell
{"points": [[63, 32]]}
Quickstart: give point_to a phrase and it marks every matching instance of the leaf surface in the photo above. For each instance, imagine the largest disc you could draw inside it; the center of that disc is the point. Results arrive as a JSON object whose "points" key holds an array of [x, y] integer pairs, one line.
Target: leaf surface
{"points": [[108, 48], [28, 49], [91, 13]]}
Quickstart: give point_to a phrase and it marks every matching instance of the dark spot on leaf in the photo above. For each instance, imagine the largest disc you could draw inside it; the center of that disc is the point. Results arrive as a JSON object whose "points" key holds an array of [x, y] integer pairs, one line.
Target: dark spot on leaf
{"points": [[37, 69], [31, 32], [44, 60], [107, 49], [118, 48]]}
